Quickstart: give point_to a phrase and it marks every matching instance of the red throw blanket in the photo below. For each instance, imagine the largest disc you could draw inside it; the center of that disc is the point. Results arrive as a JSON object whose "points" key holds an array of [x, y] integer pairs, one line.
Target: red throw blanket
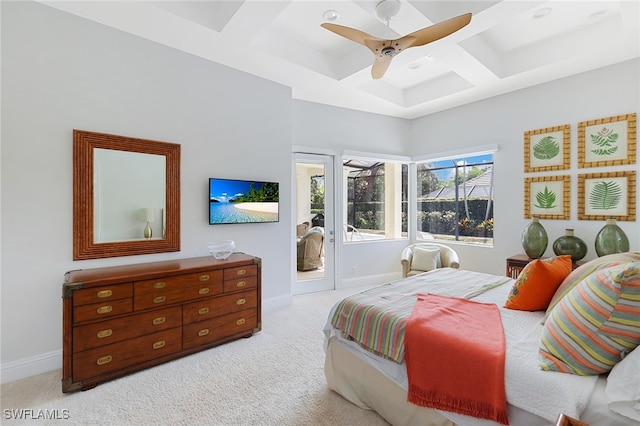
{"points": [[455, 356]]}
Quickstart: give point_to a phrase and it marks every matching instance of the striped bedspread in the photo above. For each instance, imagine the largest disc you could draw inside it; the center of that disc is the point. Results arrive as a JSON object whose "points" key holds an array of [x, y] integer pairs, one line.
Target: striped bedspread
{"points": [[376, 318]]}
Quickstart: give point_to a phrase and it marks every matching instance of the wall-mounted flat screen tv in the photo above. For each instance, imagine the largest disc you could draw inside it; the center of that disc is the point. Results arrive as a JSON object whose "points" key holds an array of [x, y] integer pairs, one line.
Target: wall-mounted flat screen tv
{"points": [[242, 201]]}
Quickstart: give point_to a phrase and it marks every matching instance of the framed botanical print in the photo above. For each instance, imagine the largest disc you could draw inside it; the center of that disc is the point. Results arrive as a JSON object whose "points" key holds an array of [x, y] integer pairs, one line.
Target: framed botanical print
{"points": [[547, 149], [605, 195], [607, 141], [547, 197]]}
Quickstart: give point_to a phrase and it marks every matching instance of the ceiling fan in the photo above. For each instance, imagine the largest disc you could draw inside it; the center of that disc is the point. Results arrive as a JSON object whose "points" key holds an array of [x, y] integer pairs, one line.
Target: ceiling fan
{"points": [[384, 50]]}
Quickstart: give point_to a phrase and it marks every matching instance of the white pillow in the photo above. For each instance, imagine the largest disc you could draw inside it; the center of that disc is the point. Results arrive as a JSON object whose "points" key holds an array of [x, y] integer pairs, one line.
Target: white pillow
{"points": [[623, 386], [425, 258]]}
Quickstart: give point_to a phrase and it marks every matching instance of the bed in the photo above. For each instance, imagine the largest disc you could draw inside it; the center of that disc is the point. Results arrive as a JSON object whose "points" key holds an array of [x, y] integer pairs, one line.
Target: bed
{"points": [[376, 379]]}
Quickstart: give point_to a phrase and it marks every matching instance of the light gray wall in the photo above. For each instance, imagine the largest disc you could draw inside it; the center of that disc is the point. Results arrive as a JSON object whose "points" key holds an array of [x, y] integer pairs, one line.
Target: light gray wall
{"points": [[502, 120], [344, 129], [61, 72]]}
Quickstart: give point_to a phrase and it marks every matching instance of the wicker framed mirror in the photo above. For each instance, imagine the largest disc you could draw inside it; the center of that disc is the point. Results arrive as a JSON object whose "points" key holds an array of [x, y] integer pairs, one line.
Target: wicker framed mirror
{"points": [[142, 168]]}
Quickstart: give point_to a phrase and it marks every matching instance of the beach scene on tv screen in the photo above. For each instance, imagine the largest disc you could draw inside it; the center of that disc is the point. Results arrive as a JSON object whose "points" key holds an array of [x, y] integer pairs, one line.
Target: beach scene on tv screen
{"points": [[240, 201]]}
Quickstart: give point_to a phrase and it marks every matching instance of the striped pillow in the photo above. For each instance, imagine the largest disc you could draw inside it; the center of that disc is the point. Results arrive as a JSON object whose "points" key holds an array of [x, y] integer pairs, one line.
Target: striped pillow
{"points": [[583, 271], [595, 324]]}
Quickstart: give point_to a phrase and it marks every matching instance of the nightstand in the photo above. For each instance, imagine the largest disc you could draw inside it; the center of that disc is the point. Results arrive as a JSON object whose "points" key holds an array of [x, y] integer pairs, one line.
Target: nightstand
{"points": [[517, 262]]}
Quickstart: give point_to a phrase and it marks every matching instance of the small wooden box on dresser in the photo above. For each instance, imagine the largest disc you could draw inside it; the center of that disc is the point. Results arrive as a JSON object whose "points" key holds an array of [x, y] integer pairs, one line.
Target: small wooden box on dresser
{"points": [[121, 319]]}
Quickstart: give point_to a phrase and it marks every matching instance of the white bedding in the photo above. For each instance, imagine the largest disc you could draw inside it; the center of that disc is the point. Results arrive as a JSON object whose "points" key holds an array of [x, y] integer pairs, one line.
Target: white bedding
{"points": [[545, 394]]}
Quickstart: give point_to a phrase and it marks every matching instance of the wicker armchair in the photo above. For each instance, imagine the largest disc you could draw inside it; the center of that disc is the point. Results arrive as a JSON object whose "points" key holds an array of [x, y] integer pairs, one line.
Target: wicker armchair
{"points": [[448, 258], [309, 251]]}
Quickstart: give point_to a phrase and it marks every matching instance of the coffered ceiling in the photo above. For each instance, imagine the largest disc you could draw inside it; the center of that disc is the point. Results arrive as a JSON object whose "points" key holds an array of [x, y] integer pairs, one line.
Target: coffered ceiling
{"points": [[508, 45]]}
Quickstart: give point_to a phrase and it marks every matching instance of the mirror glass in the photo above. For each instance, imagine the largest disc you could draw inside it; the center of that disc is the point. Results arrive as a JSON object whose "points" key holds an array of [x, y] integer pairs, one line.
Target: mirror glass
{"points": [[128, 193], [126, 196]]}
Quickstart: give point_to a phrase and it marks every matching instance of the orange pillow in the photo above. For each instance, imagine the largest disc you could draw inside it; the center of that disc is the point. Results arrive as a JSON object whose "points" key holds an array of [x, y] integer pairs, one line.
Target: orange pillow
{"points": [[537, 283]]}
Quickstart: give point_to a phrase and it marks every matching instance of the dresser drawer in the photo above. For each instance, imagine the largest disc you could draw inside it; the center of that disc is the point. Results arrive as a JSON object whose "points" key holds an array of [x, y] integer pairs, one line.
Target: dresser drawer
{"points": [[102, 310], [177, 282], [210, 308], [105, 359], [103, 294], [240, 272], [204, 332], [145, 299], [119, 329], [240, 284]]}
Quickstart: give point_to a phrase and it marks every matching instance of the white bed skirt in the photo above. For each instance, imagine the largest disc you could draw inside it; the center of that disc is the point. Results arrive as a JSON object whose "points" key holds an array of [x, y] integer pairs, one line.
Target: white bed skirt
{"points": [[350, 374], [364, 386]]}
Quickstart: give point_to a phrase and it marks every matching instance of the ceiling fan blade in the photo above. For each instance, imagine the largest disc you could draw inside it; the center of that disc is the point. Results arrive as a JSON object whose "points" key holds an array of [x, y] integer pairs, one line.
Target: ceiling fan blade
{"points": [[385, 50], [380, 66], [434, 32], [348, 32]]}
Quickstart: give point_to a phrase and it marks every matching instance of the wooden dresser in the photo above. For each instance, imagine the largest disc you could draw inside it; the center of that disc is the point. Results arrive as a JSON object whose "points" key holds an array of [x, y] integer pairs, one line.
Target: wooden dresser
{"points": [[121, 319]]}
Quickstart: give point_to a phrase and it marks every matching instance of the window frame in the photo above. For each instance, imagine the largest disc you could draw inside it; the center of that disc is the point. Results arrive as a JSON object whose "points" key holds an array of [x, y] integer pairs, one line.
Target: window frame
{"points": [[454, 155], [351, 236]]}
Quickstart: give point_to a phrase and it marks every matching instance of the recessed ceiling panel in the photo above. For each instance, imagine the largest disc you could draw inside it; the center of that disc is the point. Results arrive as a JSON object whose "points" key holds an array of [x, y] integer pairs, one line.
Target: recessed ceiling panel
{"points": [[548, 33], [442, 86], [438, 11], [211, 14], [549, 20]]}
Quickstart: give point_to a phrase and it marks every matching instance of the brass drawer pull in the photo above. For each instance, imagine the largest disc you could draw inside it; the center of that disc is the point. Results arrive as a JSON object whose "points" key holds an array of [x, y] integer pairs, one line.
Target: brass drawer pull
{"points": [[203, 311], [204, 290], [204, 278], [241, 321], [159, 320], [160, 284], [105, 309], [203, 332], [104, 293], [104, 360], [159, 299], [105, 333], [241, 272], [241, 283], [241, 301], [158, 345]]}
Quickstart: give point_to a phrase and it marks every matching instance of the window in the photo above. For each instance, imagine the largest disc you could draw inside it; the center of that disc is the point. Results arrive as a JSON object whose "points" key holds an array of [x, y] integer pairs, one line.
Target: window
{"points": [[375, 204], [455, 199]]}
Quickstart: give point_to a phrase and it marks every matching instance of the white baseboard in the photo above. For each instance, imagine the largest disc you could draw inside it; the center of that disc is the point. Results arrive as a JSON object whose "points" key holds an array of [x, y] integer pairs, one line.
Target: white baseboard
{"points": [[27, 367], [31, 366], [275, 303]]}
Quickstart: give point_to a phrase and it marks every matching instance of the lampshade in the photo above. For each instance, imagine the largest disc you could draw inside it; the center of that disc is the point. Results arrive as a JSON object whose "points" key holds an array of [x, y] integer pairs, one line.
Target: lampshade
{"points": [[149, 215]]}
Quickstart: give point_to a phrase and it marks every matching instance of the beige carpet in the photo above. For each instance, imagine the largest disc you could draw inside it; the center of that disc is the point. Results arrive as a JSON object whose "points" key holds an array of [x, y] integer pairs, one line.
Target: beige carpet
{"points": [[273, 378]]}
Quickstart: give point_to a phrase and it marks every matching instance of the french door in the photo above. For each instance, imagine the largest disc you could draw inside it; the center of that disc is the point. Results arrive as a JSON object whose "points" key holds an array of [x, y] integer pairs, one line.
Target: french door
{"points": [[315, 256]]}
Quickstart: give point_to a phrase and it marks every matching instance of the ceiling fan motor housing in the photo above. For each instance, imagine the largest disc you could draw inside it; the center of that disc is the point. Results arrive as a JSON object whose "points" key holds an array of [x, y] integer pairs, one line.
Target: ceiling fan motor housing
{"points": [[388, 51]]}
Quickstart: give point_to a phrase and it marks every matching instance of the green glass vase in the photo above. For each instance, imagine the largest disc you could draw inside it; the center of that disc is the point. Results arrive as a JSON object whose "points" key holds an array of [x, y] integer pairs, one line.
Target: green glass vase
{"points": [[534, 239], [570, 244], [611, 239]]}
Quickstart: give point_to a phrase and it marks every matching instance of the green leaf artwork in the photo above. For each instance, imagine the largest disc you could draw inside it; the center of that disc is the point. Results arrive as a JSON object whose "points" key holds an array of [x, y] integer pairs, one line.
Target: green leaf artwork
{"points": [[545, 199], [606, 141], [605, 195], [546, 148]]}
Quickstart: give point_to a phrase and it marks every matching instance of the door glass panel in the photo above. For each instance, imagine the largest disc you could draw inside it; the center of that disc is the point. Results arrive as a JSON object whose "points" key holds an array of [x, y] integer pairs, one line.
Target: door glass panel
{"points": [[310, 232], [315, 233]]}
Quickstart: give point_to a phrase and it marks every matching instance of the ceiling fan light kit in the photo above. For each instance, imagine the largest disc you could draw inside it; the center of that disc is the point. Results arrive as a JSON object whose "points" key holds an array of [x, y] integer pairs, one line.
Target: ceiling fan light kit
{"points": [[384, 50]]}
